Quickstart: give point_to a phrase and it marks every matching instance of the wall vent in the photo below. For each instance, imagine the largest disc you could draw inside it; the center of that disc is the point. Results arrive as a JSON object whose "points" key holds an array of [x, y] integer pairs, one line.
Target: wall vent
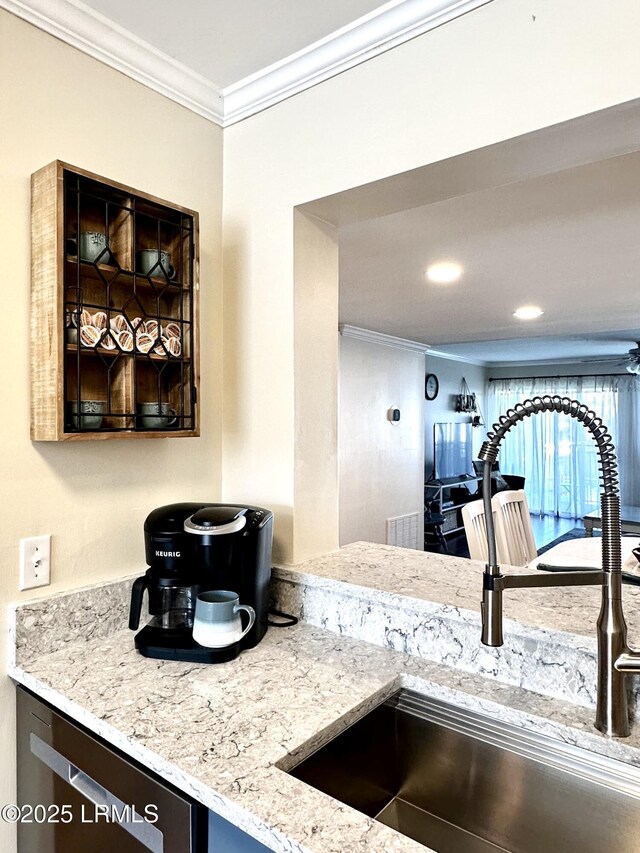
{"points": [[404, 531]]}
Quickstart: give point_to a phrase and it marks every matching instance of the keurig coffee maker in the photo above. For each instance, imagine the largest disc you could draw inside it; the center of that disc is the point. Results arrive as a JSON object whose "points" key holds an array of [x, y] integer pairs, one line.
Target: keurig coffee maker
{"points": [[192, 548]]}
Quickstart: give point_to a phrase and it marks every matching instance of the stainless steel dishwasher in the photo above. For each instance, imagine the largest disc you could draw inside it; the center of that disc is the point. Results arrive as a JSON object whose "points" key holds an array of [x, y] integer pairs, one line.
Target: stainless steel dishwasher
{"points": [[75, 793]]}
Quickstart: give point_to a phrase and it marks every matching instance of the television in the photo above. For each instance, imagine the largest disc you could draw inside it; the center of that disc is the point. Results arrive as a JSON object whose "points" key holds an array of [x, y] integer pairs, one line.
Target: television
{"points": [[452, 450]]}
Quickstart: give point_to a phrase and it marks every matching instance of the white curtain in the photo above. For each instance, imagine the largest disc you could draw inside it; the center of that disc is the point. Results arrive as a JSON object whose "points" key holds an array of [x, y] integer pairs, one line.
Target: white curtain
{"points": [[555, 452]]}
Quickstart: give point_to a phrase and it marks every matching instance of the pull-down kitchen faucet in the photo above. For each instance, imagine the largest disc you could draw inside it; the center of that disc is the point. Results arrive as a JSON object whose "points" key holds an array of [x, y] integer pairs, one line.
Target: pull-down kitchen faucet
{"points": [[615, 658]]}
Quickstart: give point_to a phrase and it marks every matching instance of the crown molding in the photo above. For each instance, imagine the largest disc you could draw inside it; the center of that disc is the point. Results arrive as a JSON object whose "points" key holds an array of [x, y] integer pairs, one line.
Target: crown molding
{"points": [[87, 30], [380, 338], [392, 24], [463, 358], [389, 26], [614, 360], [540, 362]]}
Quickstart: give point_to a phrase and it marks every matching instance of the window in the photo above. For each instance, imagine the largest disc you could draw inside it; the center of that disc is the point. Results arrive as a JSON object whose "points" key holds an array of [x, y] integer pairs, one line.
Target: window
{"points": [[555, 452]]}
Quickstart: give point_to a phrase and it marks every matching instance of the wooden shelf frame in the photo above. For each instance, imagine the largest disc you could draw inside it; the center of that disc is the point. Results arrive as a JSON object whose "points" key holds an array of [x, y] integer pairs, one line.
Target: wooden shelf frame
{"points": [[61, 371]]}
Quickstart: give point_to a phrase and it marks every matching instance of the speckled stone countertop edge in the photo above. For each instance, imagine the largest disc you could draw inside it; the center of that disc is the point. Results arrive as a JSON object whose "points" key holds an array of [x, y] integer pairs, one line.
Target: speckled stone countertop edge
{"points": [[398, 601]]}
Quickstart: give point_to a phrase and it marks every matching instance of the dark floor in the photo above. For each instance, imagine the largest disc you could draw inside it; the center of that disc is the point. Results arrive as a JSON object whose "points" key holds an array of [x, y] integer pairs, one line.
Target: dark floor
{"points": [[546, 528]]}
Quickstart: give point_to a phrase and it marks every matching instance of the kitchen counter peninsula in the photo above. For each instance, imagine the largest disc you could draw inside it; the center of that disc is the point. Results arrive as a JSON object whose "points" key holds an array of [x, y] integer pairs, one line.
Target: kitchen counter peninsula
{"points": [[226, 734], [428, 605]]}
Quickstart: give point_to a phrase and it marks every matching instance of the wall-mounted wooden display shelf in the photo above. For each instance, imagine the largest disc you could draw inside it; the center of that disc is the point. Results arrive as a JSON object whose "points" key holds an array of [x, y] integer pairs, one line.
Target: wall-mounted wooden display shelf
{"points": [[114, 310]]}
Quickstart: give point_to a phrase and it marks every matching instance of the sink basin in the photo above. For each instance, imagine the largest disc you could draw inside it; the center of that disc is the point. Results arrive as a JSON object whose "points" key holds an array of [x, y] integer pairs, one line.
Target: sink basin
{"points": [[459, 782]]}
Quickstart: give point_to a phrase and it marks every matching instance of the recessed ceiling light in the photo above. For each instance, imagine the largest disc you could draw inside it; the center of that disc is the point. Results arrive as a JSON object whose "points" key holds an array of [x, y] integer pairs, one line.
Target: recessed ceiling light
{"points": [[528, 312], [444, 272]]}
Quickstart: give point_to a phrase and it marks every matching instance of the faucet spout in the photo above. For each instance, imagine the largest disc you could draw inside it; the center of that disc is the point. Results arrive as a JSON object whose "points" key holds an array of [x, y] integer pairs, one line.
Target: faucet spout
{"points": [[628, 662], [492, 617], [615, 659]]}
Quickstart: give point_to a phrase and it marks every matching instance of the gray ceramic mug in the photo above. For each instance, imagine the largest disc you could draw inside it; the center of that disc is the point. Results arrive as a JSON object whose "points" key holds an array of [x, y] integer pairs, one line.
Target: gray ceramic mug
{"points": [[216, 623], [92, 246], [156, 415], [88, 416], [155, 263]]}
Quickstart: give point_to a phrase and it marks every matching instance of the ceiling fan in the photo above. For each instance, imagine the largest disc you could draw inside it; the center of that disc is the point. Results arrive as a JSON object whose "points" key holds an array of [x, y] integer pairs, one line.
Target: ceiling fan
{"points": [[632, 361]]}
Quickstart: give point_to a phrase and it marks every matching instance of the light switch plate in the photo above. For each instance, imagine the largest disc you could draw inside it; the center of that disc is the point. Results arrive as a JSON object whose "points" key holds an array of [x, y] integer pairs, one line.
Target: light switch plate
{"points": [[35, 561]]}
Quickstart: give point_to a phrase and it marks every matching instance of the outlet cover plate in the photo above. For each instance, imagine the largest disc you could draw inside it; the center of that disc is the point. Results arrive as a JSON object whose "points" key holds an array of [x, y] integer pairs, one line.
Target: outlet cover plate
{"points": [[35, 561]]}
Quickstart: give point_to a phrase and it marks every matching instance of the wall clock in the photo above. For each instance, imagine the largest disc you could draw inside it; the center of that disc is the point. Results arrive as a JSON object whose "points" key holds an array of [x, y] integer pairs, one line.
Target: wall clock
{"points": [[431, 386]]}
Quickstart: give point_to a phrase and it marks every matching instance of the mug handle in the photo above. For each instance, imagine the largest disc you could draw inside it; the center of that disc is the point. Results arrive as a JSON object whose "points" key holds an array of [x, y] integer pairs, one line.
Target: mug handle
{"points": [[252, 618], [174, 419], [169, 270]]}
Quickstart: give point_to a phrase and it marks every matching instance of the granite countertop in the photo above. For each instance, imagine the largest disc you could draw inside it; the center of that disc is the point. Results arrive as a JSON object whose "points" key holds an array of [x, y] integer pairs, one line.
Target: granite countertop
{"points": [[457, 582], [428, 605], [226, 734]]}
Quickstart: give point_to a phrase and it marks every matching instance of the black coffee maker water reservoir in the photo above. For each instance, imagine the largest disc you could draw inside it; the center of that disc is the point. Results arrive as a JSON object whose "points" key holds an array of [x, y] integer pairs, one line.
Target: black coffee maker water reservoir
{"points": [[191, 548]]}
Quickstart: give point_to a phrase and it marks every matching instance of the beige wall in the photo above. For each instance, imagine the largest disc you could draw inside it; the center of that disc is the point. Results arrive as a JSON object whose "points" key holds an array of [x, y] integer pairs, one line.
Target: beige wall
{"points": [[503, 70], [92, 496], [380, 463], [316, 293]]}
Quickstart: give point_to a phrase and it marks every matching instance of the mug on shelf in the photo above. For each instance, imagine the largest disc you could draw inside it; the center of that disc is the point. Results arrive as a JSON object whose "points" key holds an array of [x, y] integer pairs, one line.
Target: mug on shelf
{"points": [[156, 415], [216, 623], [92, 246], [155, 263], [89, 415]]}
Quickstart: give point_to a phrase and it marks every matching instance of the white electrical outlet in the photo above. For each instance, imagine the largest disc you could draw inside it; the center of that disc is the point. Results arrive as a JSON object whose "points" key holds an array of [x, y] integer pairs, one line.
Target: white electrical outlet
{"points": [[35, 561]]}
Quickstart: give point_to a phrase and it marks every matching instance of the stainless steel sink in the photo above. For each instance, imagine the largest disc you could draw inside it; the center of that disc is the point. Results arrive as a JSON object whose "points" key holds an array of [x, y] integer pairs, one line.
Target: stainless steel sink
{"points": [[459, 782]]}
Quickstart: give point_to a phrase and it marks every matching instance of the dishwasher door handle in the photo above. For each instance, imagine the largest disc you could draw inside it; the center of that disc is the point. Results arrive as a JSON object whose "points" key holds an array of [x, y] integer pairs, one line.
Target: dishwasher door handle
{"points": [[146, 833], [88, 787]]}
